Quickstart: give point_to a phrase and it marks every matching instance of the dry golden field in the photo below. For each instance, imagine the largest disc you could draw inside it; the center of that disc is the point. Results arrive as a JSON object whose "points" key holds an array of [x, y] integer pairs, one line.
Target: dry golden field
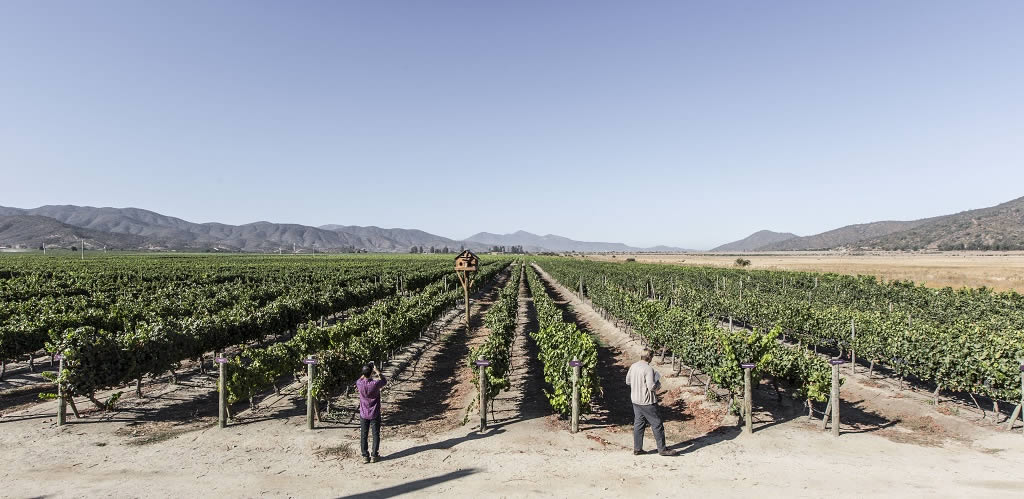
{"points": [[997, 270]]}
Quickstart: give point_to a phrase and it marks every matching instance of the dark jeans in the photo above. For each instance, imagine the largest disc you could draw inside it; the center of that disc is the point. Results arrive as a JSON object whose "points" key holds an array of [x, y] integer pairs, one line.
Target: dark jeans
{"points": [[644, 415], [364, 426]]}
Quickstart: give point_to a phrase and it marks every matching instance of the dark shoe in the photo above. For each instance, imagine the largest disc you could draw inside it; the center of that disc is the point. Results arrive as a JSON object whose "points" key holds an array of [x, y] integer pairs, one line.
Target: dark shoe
{"points": [[366, 459], [638, 452], [374, 459], [667, 452]]}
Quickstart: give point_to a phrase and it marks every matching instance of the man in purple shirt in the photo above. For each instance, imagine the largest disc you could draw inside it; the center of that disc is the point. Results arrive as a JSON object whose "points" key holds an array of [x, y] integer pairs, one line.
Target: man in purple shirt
{"points": [[369, 410]]}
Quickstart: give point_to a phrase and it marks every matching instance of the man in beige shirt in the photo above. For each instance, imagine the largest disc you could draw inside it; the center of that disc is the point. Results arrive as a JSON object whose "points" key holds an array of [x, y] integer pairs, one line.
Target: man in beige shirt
{"points": [[643, 381]]}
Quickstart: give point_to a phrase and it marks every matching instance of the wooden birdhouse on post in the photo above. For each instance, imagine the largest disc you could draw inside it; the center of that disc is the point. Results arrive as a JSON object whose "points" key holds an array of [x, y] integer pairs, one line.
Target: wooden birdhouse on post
{"points": [[466, 265]]}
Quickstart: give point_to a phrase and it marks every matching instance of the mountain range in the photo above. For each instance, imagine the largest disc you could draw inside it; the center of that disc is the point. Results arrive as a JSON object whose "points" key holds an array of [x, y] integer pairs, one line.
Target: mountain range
{"points": [[134, 228], [999, 227]]}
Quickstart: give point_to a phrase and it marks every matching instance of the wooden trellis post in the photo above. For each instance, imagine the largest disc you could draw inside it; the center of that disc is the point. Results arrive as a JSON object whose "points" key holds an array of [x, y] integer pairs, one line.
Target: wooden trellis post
{"points": [[482, 364], [748, 403], [833, 400], [575, 364], [1019, 410], [222, 389], [310, 371], [62, 406], [853, 350]]}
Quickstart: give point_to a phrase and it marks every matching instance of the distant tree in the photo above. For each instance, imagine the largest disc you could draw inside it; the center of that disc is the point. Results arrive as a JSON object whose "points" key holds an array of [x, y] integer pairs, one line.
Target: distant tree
{"points": [[742, 262], [42, 247], [445, 250], [74, 248]]}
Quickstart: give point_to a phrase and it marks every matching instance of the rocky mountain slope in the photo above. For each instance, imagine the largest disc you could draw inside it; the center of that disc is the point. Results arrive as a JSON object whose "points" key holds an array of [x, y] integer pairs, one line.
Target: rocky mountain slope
{"points": [[755, 241], [999, 227]]}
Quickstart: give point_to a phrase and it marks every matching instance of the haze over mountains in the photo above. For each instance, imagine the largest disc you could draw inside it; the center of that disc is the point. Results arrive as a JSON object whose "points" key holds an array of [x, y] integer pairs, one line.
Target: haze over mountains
{"points": [[133, 228], [999, 227], [551, 242]]}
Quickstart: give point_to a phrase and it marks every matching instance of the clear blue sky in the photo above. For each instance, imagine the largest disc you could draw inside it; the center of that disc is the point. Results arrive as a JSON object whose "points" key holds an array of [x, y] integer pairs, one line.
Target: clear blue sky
{"points": [[678, 123]]}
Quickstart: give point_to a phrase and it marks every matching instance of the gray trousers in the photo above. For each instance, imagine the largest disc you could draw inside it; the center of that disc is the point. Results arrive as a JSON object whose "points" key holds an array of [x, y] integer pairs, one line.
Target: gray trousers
{"points": [[643, 416]]}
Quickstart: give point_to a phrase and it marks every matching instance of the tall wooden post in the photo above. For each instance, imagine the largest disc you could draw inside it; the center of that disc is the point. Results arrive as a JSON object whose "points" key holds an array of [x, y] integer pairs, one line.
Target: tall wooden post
{"points": [[748, 403], [222, 410], [575, 427], [62, 405], [465, 290], [310, 371]]}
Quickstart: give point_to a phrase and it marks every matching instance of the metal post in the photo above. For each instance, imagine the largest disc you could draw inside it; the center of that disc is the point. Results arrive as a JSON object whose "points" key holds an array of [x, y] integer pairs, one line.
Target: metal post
{"points": [[222, 414], [62, 405], [309, 391], [575, 395]]}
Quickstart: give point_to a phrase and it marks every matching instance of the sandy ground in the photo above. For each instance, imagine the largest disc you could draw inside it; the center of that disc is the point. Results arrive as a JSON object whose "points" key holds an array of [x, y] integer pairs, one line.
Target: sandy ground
{"points": [[167, 444], [997, 270]]}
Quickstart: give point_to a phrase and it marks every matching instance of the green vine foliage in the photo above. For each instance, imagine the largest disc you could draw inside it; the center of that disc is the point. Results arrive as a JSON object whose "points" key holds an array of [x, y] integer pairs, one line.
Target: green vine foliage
{"points": [[118, 319], [497, 348], [559, 343], [696, 339], [966, 340], [344, 347]]}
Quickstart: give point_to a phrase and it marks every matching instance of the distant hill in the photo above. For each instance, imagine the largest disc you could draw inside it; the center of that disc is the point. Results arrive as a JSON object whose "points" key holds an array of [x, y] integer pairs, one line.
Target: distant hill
{"points": [[134, 228], [399, 239], [35, 231], [999, 227], [756, 240], [842, 237], [551, 242]]}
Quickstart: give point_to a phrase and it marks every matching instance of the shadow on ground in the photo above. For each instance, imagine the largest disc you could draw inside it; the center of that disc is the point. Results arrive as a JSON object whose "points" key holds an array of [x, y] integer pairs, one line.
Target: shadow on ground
{"points": [[412, 486]]}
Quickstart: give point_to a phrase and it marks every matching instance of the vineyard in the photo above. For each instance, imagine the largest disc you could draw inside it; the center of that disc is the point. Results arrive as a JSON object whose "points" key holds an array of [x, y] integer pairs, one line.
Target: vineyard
{"points": [[117, 320], [282, 331], [968, 341]]}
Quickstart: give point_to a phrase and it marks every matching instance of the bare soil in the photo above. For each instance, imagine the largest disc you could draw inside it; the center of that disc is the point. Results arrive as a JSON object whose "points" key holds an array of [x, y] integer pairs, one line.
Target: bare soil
{"points": [[167, 443], [999, 270]]}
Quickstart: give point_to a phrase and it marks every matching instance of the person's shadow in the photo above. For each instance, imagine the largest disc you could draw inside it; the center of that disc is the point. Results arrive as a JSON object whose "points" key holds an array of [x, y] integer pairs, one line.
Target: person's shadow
{"points": [[413, 486], [446, 444], [721, 434]]}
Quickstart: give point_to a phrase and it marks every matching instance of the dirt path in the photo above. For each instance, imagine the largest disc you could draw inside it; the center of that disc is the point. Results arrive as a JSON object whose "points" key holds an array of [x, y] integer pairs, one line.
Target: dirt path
{"points": [[434, 396], [524, 400]]}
